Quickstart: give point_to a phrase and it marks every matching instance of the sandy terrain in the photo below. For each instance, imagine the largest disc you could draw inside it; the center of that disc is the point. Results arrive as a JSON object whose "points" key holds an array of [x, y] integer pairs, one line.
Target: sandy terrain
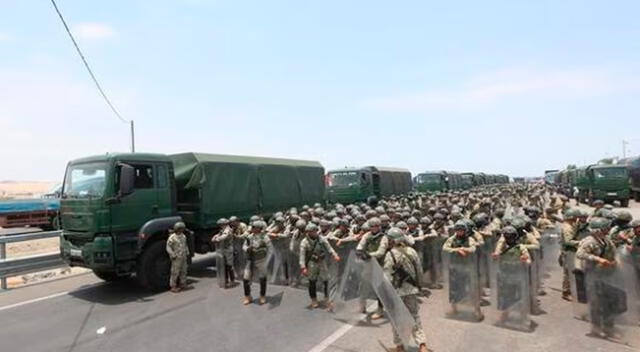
{"points": [[21, 189]]}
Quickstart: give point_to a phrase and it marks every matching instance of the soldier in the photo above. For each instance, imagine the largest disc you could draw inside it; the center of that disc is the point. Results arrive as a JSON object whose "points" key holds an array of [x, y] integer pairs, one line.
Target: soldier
{"points": [[313, 251], [223, 242], [297, 235], [402, 268], [570, 242], [458, 246], [633, 247], [256, 246], [598, 208], [511, 253], [374, 245], [621, 233], [597, 251], [178, 251]]}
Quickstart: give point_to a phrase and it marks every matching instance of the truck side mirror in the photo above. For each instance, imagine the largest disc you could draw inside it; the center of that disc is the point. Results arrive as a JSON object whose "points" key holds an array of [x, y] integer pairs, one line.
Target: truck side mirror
{"points": [[127, 178]]}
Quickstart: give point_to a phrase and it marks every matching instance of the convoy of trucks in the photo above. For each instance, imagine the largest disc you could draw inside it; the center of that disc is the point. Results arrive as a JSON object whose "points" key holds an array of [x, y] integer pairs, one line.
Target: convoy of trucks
{"points": [[350, 185], [443, 181]]}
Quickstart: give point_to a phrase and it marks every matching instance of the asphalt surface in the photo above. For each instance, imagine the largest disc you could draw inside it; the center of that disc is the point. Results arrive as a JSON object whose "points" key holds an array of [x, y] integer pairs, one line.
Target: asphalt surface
{"points": [[85, 314]]}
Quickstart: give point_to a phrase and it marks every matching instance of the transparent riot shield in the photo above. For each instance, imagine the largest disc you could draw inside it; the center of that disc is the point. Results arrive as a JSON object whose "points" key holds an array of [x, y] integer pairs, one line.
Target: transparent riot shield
{"points": [[239, 256], [362, 283], [613, 301], [336, 270], [578, 287], [432, 261], [550, 249], [511, 293], [220, 269], [462, 286], [277, 266], [535, 278], [295, 274]]}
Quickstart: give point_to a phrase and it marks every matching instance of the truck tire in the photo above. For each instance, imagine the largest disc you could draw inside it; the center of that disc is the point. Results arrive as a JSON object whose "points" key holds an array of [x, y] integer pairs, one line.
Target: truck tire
{"points": [[154, 267], [109, 276], [624, 202], [636, 196]]}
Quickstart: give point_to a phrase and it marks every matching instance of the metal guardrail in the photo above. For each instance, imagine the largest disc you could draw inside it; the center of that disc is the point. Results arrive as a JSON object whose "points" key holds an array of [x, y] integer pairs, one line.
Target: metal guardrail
{"points": [[28, 264]]}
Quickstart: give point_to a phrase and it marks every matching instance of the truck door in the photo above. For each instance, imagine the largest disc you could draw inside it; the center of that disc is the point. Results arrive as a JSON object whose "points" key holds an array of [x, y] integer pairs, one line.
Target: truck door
{"points": [[133, 210], [165, 205]]}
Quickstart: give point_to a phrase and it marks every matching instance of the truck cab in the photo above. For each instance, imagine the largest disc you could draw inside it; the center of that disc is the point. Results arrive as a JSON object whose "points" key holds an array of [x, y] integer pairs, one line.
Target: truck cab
{"points": [[104, 201], [351, 185], [436, 181]]}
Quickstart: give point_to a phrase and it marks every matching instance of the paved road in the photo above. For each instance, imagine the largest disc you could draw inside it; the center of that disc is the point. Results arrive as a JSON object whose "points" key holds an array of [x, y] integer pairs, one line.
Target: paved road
{"points": [[207, 318]]}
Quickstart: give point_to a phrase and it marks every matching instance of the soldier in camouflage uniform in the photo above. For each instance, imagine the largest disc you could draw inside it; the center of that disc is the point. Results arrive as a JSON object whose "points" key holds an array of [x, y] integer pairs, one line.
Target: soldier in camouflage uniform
{"points": [[374, 245], [460, 244], [178, 251], [510, 254], [598, 251], [621, 232], [256, 246], [223, 242], [568, 237], [402, 268], [313, 251]]}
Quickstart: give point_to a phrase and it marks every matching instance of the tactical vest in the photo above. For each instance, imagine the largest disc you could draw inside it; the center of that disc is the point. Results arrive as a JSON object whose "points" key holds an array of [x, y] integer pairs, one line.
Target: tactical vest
{"points": [[373, 242]]}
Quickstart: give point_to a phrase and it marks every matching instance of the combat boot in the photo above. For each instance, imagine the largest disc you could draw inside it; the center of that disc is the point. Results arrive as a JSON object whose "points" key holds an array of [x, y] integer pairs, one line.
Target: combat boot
{"points": [[247, 300], [262, 300], [314, 304]]}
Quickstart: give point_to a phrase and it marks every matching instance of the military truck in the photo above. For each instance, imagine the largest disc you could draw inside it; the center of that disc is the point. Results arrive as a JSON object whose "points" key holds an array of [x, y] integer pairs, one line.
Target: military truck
{"points": [[350, 185], [606, 182], [432, 181], [116, 209], [634, 177], [468, 180]]}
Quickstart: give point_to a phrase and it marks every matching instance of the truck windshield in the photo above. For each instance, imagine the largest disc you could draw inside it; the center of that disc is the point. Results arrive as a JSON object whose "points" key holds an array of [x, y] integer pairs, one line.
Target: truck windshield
{"points": [[85, 180], [429, 178], [614, 172], [343, 179]]}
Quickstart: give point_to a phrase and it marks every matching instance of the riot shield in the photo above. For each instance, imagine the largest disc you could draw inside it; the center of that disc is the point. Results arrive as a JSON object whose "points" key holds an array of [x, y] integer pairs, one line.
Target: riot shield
{"points": [[295, 274], [462, 284], [239, 256], [277, 266], [578, 287], [511, 293], [336, 270], [549, 249], [433, 261], [613, 301], [362, 282], [220, 269]]}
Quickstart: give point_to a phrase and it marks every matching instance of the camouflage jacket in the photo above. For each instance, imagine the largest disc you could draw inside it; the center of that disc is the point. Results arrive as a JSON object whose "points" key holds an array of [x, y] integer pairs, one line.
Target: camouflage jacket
{"points": [[314, 250], [454, 243], [177, 247], [257, 245], [592, 248], [402, 268]]}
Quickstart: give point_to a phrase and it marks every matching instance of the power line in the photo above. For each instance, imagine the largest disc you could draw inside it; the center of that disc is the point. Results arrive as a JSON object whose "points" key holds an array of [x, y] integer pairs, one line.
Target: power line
{"points": [[86, 64]]}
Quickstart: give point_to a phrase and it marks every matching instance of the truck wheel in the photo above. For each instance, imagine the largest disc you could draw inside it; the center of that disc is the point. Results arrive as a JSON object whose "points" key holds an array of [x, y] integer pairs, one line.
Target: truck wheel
{"points": [[624, 203], [154, 267], [636, 196], [109, 276]]}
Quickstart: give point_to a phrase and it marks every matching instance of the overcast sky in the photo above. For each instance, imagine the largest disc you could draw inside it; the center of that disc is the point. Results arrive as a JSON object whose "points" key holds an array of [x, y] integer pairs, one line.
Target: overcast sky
{"points": [[512, 87]]}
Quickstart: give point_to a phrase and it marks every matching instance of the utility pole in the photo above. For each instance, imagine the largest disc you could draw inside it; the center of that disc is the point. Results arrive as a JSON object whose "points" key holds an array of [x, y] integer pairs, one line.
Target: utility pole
{"points": [[624, 148], [133, 138]]}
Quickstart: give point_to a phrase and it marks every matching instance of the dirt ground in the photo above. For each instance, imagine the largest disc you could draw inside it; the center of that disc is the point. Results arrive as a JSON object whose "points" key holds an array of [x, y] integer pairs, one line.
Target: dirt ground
{"points": [[21, 189]]}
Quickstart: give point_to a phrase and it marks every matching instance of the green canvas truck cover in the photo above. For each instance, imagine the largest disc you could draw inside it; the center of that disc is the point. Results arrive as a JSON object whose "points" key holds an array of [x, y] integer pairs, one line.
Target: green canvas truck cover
{"points": [[211, 186], [393, 180]]}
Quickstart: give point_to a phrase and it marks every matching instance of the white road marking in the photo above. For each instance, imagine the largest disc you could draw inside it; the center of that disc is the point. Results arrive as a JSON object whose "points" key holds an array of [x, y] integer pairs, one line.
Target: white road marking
{"points": [[101, 330], [336, 335], [331, 338], [19, 304]]}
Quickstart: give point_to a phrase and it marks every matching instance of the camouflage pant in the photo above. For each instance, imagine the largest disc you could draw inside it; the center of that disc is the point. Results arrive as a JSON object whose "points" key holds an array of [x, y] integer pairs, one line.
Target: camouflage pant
{"points": [[227, 253], [411, 301], [317, 270], [178, 272], [257, 268]]}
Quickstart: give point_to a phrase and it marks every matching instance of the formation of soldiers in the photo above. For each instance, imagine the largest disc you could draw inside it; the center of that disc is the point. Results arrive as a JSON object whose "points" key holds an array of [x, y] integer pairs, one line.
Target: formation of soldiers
{"points": [[491, 242]]}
